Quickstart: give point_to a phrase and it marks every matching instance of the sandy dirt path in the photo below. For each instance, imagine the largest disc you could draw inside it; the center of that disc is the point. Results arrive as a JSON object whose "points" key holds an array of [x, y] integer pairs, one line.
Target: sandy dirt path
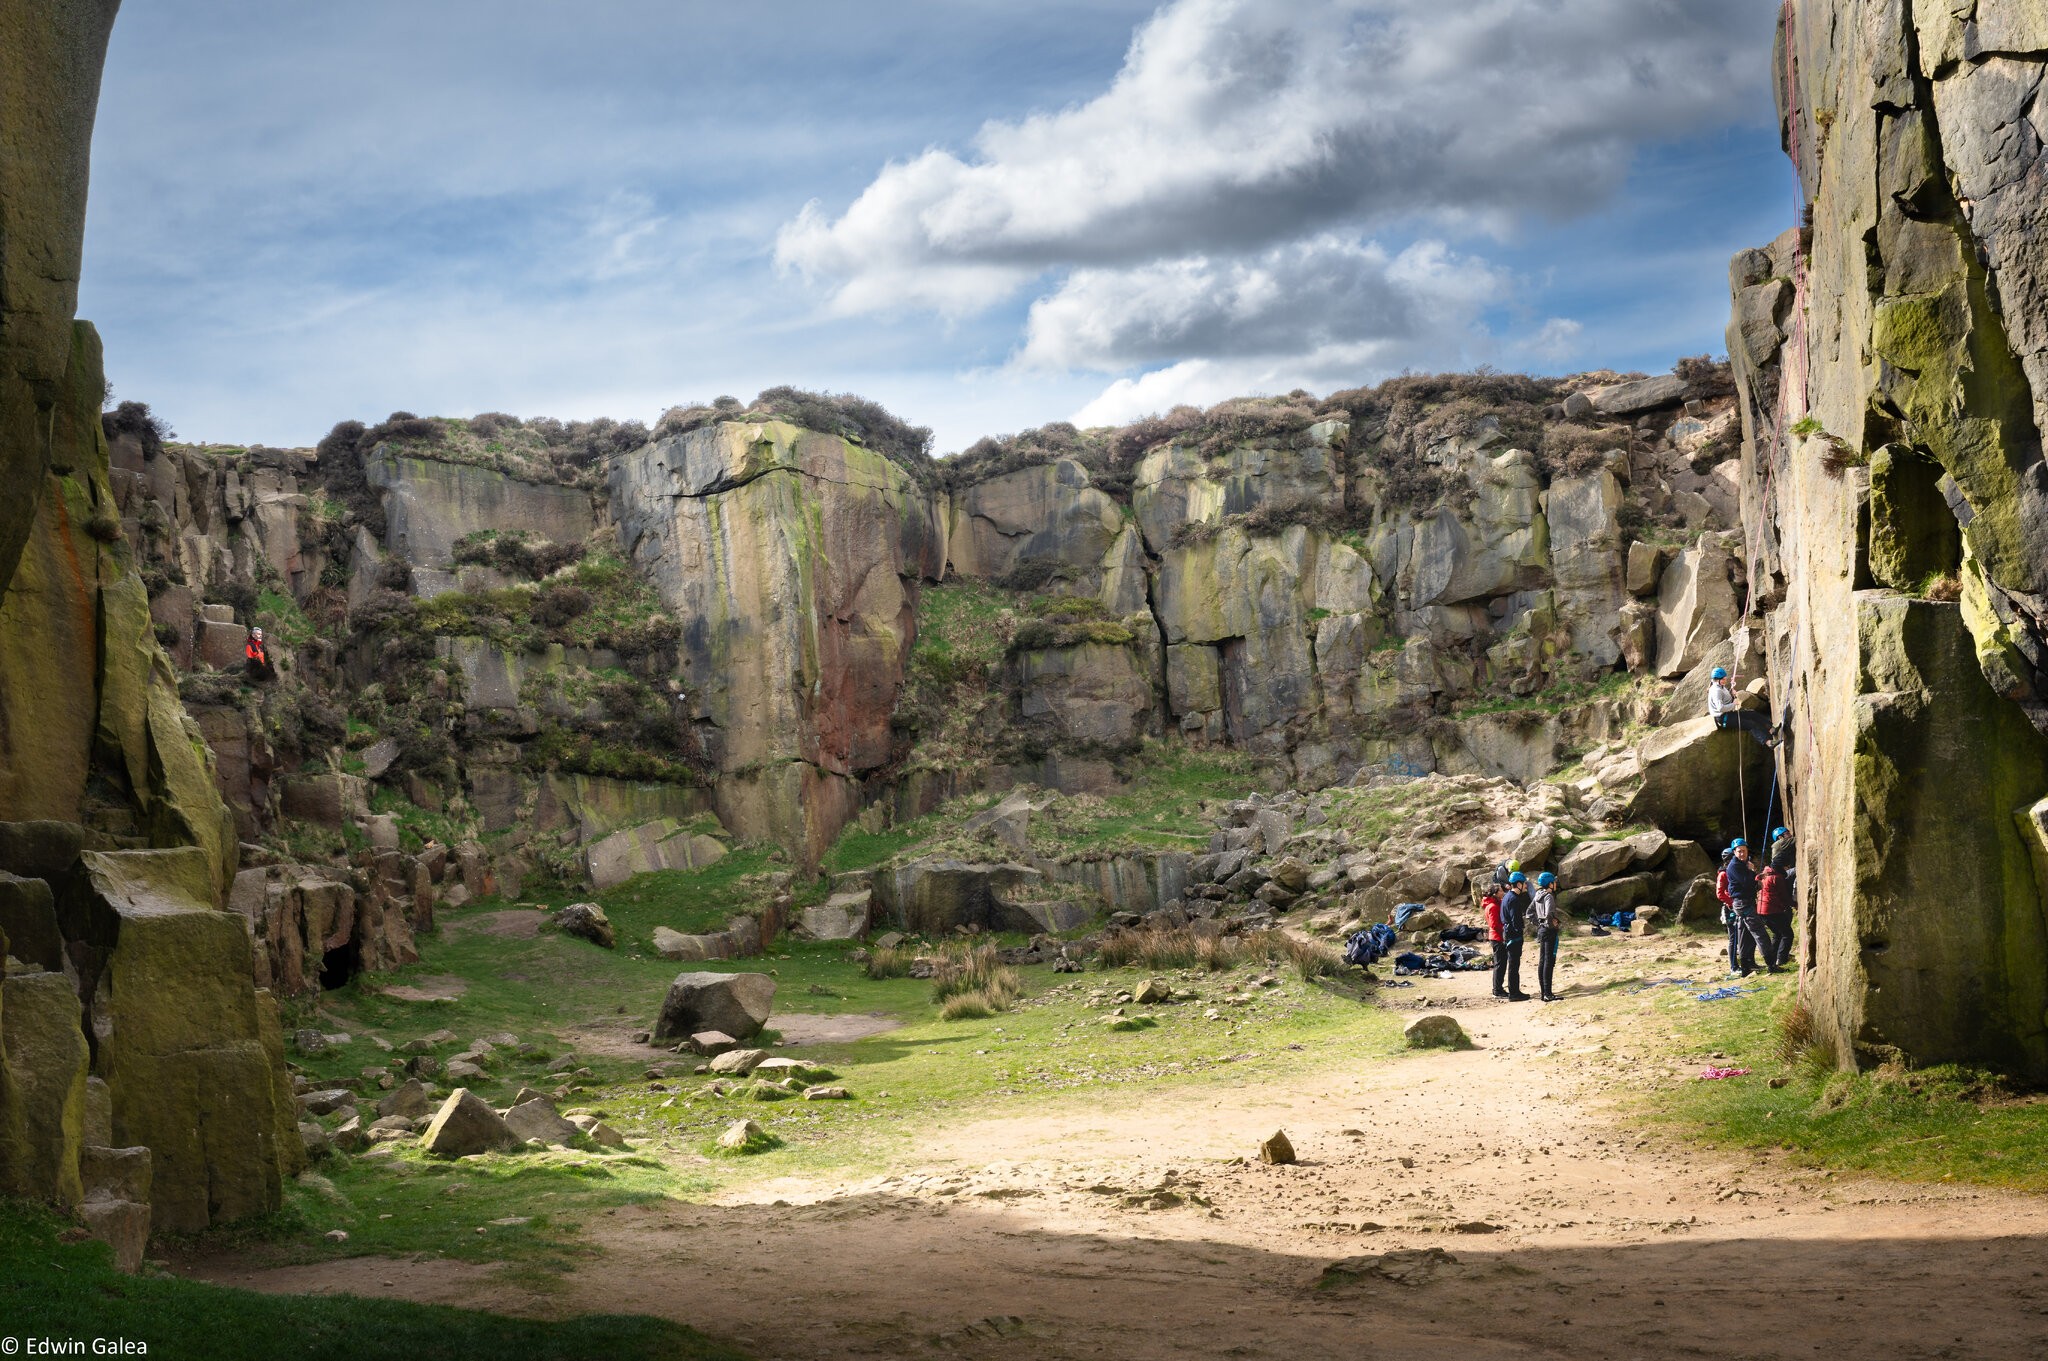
{"points": [[1488, 1203]]}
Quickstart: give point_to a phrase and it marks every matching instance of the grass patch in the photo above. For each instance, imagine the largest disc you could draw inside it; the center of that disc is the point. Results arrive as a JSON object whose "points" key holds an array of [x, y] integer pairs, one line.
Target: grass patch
{"points": [[1937, 1124], [972, 976], [49, 1288]]}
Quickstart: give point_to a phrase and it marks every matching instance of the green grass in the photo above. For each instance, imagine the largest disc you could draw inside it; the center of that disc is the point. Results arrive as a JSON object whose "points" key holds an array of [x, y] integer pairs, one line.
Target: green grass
{"points": [[547, 989], [282, 619], [1556, 699], [1940, 1124], [1161, 808], [962, 628], [53, 1289]]}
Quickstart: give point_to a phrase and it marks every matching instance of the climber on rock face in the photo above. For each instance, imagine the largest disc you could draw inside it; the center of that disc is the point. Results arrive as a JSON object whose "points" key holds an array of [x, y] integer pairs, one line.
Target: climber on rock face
{"points": [[1726, 712], [256, 657]]}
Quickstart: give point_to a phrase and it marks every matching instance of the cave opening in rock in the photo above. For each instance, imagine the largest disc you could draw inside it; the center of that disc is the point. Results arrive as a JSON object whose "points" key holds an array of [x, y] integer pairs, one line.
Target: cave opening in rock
{"points": [[339, 963]]}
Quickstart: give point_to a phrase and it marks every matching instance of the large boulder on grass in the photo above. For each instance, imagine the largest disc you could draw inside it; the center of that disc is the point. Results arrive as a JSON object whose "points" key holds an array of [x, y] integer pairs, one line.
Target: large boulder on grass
{"points": [[537, 1120], [737, 1004], [586, 921], [466, 1124]]}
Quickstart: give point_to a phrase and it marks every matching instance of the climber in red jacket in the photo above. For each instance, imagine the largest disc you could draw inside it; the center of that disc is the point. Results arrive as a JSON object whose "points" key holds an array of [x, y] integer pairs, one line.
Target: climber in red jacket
{"points": [[257, 657]]}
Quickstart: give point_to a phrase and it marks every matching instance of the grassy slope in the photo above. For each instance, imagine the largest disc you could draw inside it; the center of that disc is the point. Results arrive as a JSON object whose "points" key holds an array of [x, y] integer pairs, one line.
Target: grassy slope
{"points": [[1927, 1126], [52, 1289]]}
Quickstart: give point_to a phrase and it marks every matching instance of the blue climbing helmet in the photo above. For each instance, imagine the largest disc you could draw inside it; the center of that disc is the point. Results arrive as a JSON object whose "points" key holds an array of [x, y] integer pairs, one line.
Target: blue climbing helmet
{"points": [[1779, 834], [1737, 844], [1518, 878], [1720, 673], [1545, 879]]}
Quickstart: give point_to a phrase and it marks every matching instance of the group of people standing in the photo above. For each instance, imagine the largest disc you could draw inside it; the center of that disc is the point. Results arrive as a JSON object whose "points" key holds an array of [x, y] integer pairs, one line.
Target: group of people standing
{"points": [[1516, 910], [1756, 904]]}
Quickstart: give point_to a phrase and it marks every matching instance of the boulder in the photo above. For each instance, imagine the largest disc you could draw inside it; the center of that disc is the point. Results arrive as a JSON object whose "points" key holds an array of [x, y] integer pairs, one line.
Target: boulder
{"points": [[1688, 860], [1698, 904], [1591, 862], [599, 1133], [741, 1135], [843, 916], [1634, 398], [1645, 568], [116, 1208], [1694, 779], [1648, 850], [1009, 821], [1151, 992], [1291, 874], [1435, 1030], [1615, 895], [738, 1062], [712, 1042], [466, 1124], [408, 1099], [669, 944], [737, 1003], [1276, 1149], [537, 1121], [586, 921]]}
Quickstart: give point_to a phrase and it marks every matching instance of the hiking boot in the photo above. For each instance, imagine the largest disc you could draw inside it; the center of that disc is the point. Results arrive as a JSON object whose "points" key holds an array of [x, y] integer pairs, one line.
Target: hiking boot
{"points": [[1518, 997], [1503, 996]]}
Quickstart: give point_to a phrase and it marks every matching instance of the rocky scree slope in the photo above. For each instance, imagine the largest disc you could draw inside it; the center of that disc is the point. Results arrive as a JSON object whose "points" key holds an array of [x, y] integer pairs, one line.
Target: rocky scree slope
{"points": [[1893, 362]]}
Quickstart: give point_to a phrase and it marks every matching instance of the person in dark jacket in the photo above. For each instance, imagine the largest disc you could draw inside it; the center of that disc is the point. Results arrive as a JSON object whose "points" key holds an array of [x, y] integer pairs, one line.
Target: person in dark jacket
{"points": [[1507, 949], [1736, 940], [1774, 915], [1546, 922], [1746, 936]]}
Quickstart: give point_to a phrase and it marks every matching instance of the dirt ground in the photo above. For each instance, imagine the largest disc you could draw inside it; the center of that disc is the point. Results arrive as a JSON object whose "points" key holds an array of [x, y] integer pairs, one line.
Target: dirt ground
{"points": [[1481, 1204]]}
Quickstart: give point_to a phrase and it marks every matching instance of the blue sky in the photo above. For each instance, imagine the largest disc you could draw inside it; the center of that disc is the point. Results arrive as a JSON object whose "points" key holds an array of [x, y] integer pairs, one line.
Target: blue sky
{"points": [[985, 215]]}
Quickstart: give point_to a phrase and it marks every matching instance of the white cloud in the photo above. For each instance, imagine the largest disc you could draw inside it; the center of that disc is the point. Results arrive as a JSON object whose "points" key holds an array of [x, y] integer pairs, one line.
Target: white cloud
{"points": [[1237, 124], [1557, 340], [1323, 295]]}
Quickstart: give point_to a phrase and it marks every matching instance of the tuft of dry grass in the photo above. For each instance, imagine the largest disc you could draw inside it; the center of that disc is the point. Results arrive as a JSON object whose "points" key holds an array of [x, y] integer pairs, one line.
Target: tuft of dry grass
{"points": [[890, 961], [970, 976]]}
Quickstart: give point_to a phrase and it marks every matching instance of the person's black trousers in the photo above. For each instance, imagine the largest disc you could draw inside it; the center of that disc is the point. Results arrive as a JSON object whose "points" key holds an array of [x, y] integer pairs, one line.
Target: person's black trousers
{"points": [[1755, 940], [1546, 962], [1778, 925], [1507, 968], [1755, 724]]}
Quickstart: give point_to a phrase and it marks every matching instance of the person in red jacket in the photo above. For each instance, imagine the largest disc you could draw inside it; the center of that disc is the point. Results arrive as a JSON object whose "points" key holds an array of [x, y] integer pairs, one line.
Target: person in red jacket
{"points": [[256, 656], [1497, 938], [1774, 914]]}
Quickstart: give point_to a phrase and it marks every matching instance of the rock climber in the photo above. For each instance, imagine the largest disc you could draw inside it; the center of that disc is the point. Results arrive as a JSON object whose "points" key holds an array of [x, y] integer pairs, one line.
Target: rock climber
{"points": [[1745, 936], [1502, 873], [1774, 915], [1741, 961], [256, 657], [1505, 924], [1727, 713], [1784, 855], [1546, 920]]}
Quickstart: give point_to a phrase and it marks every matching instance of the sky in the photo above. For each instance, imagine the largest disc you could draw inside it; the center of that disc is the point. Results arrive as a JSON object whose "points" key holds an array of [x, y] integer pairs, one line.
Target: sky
{"points": [[986, 216]]}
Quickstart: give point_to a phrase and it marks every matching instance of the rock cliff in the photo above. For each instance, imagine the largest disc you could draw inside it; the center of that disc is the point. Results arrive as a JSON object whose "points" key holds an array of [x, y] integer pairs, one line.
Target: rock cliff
{"points": [[1892, 354], [128, 1017]]}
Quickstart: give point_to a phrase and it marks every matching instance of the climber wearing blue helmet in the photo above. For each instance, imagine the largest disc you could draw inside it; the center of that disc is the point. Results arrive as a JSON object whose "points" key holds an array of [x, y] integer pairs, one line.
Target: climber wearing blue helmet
{"points": [[1507, 951], [1727, 711], [1547, 920], [1783, 853]]}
